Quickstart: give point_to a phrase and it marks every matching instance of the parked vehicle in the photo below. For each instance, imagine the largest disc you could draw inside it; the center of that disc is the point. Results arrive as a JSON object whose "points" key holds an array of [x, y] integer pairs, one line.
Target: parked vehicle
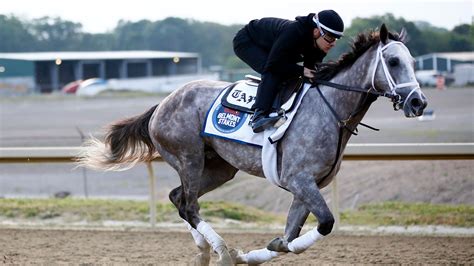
{"points": [[71, 87], [430, 78], [92, 87]]}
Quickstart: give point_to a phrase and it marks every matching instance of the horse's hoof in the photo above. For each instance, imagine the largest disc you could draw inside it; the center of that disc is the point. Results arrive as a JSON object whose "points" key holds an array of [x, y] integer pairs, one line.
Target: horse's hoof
{"points": [[202, 259], [279, 245]]}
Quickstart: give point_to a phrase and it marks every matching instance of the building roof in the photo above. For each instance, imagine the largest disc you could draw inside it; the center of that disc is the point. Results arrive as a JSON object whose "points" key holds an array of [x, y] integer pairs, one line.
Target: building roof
{"points": [[459, 56], [51, 56]]}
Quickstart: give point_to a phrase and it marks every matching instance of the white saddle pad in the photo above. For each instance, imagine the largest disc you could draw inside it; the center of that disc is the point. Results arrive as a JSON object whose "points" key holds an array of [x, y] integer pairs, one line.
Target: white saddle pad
{"points": [[230, 124], [226, 123]]}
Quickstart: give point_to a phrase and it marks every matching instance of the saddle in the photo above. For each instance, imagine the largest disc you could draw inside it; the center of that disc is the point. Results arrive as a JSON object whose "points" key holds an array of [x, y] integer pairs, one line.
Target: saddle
{"points": [[231, 113], [241, 95]]}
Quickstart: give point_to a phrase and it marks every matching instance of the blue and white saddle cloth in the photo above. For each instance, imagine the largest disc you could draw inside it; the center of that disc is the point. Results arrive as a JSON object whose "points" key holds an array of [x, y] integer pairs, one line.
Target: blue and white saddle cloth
{"points": [[229, 118]]}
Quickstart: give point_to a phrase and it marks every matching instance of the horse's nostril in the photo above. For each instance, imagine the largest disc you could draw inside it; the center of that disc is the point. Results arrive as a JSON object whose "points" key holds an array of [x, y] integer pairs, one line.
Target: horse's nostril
{"points": [[415, 102]]}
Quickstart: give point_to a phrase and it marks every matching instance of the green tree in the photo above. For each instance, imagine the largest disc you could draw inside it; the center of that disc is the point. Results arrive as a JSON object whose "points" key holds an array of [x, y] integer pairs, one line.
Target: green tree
{"points": [[14, 35], [463, 29], [462, 38], [172, 34], [416, 42], [96, 42], [131, 35], [55, 34], [211, 40]]}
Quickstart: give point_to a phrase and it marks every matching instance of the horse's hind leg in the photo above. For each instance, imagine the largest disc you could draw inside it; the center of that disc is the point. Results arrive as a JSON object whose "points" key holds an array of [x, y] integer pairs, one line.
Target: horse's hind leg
{"points": [[175, 131], [216, 172], [203, 257], [191, 215]]}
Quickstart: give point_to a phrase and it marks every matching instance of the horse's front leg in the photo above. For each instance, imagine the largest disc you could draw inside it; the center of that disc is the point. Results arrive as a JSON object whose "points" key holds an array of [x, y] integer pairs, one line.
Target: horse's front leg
{"points": [[297, 216], [306, 191], [307, 198]]}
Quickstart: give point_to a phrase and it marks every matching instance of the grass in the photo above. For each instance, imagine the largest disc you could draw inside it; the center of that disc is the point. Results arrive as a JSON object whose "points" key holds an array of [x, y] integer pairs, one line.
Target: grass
{"points": [[91, 210], [387, 213], [405, 214], [123, 210]]}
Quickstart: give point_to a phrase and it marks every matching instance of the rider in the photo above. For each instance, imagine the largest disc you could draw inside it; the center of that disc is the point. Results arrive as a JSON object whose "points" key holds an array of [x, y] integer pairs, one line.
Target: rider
{"points": [[273, 47]]}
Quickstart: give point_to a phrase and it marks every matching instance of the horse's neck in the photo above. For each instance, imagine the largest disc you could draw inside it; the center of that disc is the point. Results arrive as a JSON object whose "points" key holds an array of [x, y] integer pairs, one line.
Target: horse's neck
{"points": [[358, 75]]}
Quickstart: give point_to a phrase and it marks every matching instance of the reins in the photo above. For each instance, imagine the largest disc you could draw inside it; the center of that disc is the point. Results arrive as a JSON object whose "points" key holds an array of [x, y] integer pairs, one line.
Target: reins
{"points": [[342, 123], [355, 89]]}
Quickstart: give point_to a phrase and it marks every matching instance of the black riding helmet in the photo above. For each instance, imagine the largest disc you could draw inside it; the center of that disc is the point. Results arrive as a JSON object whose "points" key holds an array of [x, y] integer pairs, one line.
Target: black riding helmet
{"points": [[329, 22]]}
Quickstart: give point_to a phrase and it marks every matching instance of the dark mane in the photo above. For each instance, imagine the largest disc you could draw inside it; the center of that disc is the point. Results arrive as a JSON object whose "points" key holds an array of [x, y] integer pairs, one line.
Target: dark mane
{"points": [[361, 43]]}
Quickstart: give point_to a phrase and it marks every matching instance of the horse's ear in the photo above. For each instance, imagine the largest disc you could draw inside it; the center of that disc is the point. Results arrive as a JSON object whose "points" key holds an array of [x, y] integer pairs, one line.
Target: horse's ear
{"points": [[383, 34], [403, 35]]}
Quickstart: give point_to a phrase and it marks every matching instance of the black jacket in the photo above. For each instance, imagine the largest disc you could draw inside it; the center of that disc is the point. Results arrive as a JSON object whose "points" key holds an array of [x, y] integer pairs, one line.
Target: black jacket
{"points": [[288, 42]]}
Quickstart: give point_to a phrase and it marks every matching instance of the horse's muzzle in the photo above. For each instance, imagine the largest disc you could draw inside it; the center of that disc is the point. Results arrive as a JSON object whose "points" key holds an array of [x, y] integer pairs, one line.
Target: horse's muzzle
{"points": [[415, 104]]}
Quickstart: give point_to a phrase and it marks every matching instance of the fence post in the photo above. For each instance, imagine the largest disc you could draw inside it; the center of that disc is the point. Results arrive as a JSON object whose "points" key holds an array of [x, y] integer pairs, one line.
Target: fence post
{"points": [[84, 173], [152, 198]]}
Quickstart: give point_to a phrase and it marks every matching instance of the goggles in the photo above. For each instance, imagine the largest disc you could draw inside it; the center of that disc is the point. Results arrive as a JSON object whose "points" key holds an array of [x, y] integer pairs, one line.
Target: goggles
{"points": [[328, 37]]}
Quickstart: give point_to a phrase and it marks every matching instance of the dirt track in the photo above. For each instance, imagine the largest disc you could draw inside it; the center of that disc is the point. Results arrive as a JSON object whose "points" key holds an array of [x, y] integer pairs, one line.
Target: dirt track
{"points": [[20, 246]]}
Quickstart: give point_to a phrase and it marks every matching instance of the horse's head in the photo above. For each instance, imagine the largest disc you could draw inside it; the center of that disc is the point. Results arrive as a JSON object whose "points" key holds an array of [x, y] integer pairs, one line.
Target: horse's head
{"points": [[394, 73]]}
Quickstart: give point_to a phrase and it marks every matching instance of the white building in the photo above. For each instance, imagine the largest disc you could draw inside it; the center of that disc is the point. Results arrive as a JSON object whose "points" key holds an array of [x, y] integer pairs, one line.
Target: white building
{"points": [[456, 66], [50, 71]]}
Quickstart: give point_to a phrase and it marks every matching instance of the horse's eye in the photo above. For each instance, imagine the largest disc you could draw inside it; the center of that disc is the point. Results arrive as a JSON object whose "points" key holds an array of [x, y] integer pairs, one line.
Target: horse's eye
{"points": [[394, 61]]}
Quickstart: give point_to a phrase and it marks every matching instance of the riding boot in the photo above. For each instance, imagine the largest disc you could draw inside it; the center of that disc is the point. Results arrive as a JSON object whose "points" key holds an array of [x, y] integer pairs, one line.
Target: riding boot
{"points": [[266, 93], [262, 121]]}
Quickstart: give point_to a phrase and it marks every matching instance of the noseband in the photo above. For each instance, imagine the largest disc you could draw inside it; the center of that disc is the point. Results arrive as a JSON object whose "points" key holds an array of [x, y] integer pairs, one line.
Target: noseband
{"points": [[398, 103]]}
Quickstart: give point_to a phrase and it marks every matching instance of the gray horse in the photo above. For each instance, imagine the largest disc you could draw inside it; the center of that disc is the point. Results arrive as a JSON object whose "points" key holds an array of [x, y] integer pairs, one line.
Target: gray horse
{"points": [[309, 155]]}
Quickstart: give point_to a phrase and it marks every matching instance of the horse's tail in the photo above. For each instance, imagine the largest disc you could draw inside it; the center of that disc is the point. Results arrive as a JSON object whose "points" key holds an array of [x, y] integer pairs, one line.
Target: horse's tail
{"points": [[127, 142]]}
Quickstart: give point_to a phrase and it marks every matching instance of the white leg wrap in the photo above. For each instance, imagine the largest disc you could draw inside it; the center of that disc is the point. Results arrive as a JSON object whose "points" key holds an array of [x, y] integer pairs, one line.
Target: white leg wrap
{"points": [[216, 241], [305, 241], [198, 238], [258, 256]]}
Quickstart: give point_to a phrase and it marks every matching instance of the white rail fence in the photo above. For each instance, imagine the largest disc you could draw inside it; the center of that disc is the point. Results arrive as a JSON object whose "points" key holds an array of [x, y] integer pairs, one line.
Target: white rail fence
{"points": [[367, 152]]}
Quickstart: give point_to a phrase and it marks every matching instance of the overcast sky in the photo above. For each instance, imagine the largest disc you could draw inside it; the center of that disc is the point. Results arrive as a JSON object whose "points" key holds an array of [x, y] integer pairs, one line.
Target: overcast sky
{"points": [[101, 16]]}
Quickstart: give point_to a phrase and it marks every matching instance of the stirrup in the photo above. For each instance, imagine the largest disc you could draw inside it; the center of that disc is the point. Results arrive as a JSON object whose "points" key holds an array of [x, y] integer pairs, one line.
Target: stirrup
{"points": [[282, 118], [264, 123]]}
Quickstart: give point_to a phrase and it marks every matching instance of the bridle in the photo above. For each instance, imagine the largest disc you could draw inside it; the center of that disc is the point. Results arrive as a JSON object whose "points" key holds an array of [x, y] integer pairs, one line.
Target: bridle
{"points": [[398, 103], [396, 98]]}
